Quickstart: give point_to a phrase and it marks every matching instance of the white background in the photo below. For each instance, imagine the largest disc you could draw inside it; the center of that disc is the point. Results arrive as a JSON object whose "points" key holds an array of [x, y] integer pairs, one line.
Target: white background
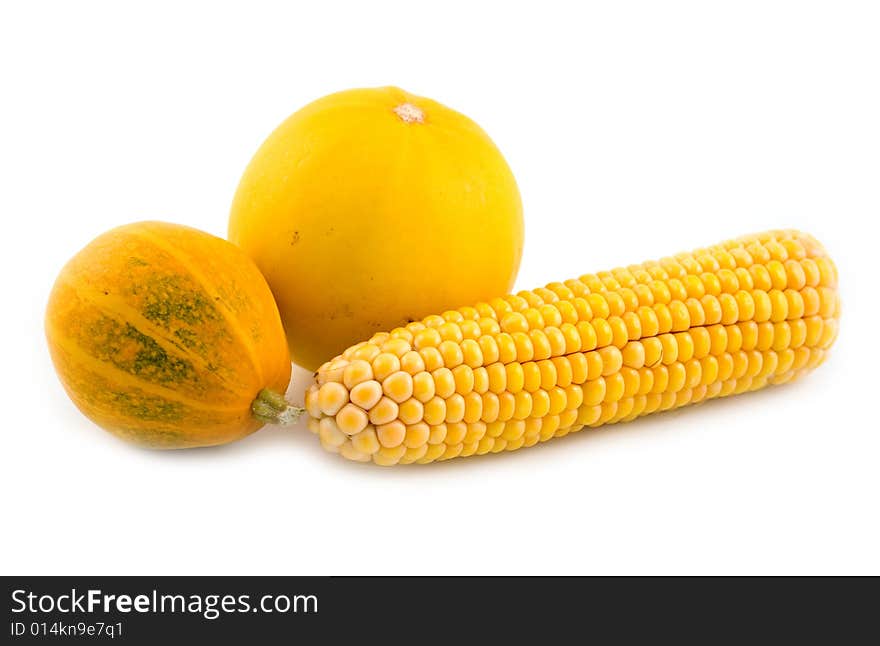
{"points": [[634, 129]]}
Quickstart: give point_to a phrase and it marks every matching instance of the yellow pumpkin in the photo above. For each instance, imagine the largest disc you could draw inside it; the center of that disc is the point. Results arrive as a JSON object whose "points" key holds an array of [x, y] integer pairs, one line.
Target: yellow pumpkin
{"points": [[168, 337], [371, 208]]}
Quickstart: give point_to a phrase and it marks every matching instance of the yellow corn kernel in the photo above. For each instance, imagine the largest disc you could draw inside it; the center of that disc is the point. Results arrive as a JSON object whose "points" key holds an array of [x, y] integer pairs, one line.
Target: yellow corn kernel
{"points": [[311, 401], [514, 322], [631, 381], [579, 367], [424, 388], [541, 348], [452, 451], [795, 275], [506, 406], [562, 371], [589, 339], [481, 380], [633, 354], [685, 346], [646, 381], [497, 377], [412, 362], [547, 372], [531, 379], [463, 377], [556, 339], [677, 377], [433, 452], [472, 353], [398, 386], [435, 411], [367, 352], [444, 382], [506, 348], [696, 313], [574, 397], [451, 353], [383, 412], [356, 372], [411, 411], [567, 418], [366, 441], [391, 434], [349, 452], [489, 348], [366, 394], [473, 407], [385, 364], [450, 331], [540, 404], [351, 419], [669, 349], [396, 346], [603, 331], [387, 456], [331, 397], [612, 360], [491, 407], [432, 358], [454, 408], [810, 297], [437, 434], [514, 377], [593, 392], [416, 435], [331, 436], [427, 338], [414, 454], [455, 433], [522, 405], [523, 347], [475, 432]]}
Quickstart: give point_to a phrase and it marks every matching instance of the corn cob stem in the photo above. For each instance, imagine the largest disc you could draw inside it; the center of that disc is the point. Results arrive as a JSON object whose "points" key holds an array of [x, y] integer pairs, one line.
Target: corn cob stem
{"points": [[600, 349], [271, 407]]}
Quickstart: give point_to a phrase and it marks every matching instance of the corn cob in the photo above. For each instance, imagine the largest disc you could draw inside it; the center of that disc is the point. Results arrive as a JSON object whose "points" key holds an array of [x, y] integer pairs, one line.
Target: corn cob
{"points": [[603, 348]]}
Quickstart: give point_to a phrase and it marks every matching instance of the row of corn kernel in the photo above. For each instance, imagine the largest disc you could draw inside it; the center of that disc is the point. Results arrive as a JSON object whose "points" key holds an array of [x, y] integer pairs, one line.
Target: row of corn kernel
{"points": [[358, 398], [664, 381], [429, 351], [684, 266], [766, 260], [817, 270], [401, 379], [616, 302], [744, 305], [635, 318], [646, 284], [423, 444], [528, 432], [648, 287]]}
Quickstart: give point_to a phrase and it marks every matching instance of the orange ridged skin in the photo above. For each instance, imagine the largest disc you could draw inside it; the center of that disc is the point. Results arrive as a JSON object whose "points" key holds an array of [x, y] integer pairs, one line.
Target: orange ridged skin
{"points": [[603, 348], [164, 335]]}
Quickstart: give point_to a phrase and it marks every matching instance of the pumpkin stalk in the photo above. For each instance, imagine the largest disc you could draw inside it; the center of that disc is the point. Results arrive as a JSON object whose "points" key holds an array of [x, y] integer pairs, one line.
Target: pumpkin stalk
{"points": [[272, 408]]}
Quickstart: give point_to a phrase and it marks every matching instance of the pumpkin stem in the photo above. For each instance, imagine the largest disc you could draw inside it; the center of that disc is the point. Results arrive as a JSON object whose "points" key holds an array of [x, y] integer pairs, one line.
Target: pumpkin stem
{"points": [[272, 408]]}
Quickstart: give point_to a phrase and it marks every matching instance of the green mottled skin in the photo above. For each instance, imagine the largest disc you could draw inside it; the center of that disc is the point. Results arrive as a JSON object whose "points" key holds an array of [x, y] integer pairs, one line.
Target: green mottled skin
{"points": [[112, 341]]}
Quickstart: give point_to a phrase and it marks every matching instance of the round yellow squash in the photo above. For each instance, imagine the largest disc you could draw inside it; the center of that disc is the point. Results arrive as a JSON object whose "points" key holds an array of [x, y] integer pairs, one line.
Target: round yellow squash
{"points": [[168, 337], [371, 208]]}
